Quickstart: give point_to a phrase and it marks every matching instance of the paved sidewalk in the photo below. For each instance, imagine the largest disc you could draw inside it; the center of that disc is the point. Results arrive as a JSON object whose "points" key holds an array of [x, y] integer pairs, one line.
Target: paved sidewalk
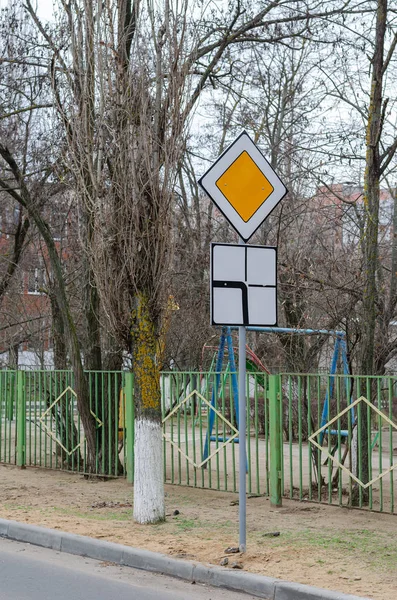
{"points": [[263, 587]]}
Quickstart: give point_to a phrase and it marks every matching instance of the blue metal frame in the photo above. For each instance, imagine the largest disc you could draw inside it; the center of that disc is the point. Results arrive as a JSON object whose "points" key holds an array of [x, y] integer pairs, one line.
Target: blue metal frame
{"points": [[226, 336], [340, 334], [340, 346]]}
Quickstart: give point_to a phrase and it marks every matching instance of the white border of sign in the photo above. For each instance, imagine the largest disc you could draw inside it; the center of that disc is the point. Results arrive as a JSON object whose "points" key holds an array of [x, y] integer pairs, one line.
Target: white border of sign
{"points": [[209, 179]]}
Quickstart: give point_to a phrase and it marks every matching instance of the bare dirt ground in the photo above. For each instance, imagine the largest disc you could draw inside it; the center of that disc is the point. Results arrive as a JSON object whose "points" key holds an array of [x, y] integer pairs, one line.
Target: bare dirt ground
{"points": [[346, 550]]}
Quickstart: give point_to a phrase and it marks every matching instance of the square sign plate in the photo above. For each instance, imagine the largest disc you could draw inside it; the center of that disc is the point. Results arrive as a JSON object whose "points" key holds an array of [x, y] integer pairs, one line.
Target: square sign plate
{"points": [[243, 186], [243, 285]]}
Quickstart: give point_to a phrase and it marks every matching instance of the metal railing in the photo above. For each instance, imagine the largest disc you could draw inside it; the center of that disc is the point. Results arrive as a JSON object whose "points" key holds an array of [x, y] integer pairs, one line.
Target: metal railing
{"points": [[311, 437], [200, 432], [341, 452], [40, 424]]}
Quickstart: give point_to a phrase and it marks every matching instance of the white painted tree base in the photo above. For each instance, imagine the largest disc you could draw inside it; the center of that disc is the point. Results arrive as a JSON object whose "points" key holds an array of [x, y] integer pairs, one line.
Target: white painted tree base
{"points": [[149, 503]]}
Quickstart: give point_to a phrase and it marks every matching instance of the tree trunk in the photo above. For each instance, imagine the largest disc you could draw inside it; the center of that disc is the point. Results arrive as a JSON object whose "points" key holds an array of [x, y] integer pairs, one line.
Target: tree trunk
{"points": [[149, 504], [62, 413], [371, 206]]}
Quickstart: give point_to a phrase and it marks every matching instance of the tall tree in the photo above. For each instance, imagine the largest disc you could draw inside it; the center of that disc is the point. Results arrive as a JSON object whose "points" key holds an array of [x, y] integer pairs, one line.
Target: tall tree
{"points": [[377, 159]]}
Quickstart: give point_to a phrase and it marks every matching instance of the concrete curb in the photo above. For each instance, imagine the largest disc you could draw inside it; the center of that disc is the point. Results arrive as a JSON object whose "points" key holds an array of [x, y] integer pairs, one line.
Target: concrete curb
{"points": [[256, 585]]}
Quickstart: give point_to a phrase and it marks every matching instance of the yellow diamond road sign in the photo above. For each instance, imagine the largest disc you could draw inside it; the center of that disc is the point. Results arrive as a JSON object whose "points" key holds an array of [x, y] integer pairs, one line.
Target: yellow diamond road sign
{"points": [[243, 186]]}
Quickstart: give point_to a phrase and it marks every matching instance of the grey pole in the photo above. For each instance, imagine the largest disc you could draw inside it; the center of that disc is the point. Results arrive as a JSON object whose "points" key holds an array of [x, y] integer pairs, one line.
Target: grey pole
{"points": [[242, 436]]}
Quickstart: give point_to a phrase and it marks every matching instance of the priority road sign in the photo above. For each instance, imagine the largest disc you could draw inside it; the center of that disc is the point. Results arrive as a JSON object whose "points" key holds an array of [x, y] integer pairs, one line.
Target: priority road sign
{"points": [[243, 186], [243, 285]]}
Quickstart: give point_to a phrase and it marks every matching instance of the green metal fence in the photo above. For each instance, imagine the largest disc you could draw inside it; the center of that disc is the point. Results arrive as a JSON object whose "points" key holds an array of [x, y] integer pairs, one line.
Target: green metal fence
{"points": [[40, 425], [8, 394], [196, 455], [344, 453], [311, 437]]}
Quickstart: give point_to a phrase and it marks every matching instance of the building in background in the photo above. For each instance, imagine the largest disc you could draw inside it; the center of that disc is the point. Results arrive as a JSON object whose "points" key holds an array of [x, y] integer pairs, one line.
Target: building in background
{"points": [[26, 336]]}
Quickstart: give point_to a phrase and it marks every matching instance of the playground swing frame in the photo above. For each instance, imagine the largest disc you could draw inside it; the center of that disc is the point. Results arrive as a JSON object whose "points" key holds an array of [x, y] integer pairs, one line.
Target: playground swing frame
{"points": [[340, 350]]}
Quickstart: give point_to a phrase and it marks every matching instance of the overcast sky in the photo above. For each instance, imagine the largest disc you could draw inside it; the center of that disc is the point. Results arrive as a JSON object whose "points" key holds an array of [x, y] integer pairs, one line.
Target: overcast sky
{"points": [[44, 7]]}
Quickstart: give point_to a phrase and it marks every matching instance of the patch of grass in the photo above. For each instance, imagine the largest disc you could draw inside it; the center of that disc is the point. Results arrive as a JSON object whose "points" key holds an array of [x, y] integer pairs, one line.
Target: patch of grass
{"points": [[187, 524], [226, 524], [126, 515], [18, 506], [373, 548]]}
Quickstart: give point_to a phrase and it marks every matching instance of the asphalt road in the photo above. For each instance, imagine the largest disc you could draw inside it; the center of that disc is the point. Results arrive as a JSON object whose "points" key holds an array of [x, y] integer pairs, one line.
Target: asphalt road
{"points": [[32, 573]]}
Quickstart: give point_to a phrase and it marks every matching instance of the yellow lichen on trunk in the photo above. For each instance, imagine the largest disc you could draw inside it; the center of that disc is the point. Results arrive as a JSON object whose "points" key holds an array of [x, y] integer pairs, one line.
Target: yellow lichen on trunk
{"points": [[145, 365]]}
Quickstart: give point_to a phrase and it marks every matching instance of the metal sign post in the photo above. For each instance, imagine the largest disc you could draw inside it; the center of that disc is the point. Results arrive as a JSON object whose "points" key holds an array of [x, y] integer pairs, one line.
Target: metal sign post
{"points": [[246, 189], [242, 413]]}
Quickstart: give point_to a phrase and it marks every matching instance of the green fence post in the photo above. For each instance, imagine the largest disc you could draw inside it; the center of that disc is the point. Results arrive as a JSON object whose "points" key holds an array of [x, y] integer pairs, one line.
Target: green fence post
{"points": [[21, 420], [10, 395], [129, 425], [275, 440]]}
